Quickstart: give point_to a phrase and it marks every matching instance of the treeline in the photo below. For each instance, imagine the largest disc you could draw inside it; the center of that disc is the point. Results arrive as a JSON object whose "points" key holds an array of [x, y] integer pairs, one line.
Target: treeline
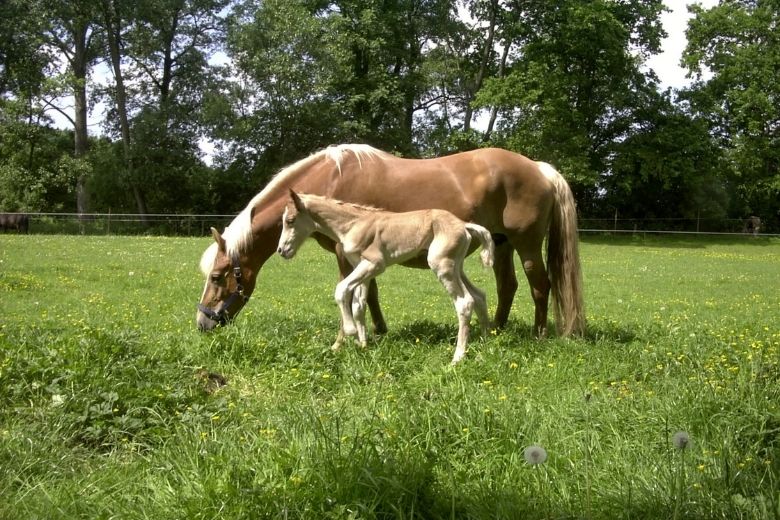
{"points": [[268, 81]]}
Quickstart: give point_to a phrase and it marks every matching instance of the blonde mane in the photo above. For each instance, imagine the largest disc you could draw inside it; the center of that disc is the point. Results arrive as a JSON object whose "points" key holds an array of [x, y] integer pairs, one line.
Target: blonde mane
{"points": [[238, 233], [311, 196]]}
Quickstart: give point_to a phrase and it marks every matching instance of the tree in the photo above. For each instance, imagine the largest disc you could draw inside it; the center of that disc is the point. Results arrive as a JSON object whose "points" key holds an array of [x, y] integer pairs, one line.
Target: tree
{"points": [[574, 82], [737, 44], [73, 33], [669, 166]]}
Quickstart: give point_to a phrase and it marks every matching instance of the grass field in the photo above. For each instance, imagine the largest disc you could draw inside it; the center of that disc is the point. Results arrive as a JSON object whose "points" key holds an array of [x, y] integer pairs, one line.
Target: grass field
{"points": [[108, 409]]}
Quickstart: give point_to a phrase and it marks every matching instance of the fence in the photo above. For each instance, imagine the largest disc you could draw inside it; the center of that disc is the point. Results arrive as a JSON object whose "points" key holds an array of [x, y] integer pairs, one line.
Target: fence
{"points": [[125, 223], [198, 225]]}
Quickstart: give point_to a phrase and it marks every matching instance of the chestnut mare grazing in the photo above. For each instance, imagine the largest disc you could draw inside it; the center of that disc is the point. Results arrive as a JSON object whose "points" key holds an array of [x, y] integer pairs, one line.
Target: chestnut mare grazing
{"points": [[518, 200], [372, 240]]}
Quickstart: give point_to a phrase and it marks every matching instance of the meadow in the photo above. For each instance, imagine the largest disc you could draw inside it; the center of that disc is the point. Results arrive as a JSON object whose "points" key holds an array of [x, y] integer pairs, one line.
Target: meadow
{"points": [[112, 404]]}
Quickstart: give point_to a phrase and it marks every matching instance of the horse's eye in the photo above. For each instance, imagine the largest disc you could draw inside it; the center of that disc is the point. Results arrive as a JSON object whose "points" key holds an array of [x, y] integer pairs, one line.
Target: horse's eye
{"points": [[290, 221], [216, 277]]}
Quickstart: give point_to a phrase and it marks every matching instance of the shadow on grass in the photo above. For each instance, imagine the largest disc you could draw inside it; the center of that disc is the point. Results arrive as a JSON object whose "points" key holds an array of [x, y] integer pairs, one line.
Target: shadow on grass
{"points": [[434, 333]]}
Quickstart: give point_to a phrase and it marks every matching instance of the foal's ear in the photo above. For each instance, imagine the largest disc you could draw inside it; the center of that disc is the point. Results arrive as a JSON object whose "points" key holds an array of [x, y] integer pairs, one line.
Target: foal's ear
{"points": [[296, 200], [219, 240]]}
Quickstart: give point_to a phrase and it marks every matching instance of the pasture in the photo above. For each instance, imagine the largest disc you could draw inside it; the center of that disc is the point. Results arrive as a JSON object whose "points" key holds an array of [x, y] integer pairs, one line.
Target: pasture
{"points": [[112, 405]]}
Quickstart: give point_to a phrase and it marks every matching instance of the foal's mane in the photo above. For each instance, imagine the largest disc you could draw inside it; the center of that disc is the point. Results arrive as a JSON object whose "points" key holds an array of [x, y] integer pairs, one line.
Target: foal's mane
{"points": [[238, 233], [361, 207]]}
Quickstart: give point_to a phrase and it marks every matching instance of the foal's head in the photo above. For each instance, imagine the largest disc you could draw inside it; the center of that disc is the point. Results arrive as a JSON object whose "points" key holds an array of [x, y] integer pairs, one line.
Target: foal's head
{"points": [[297, 225]]}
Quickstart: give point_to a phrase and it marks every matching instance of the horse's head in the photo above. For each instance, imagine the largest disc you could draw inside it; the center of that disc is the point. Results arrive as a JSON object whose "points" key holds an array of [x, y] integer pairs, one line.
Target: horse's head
{"points": [[297, 225], [225, 293]]}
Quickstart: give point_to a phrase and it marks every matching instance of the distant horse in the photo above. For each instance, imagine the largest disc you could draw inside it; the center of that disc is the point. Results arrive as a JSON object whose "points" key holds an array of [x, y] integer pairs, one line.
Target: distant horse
{"points": [[518, 200], [373, 240], [15, 221]]}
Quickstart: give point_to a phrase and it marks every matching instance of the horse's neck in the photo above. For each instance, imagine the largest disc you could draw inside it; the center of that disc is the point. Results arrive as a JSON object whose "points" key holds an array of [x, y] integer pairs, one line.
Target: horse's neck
{"points": [[334, 220]]}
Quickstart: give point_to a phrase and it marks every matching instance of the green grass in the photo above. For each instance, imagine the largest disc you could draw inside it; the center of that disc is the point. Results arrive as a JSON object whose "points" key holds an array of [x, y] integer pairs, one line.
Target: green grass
{"points": [[105, 410]]}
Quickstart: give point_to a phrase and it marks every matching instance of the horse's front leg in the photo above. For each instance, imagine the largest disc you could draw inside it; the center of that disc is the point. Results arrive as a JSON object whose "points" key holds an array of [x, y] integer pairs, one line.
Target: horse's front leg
{"points": [[506, 280], [380, 326]]}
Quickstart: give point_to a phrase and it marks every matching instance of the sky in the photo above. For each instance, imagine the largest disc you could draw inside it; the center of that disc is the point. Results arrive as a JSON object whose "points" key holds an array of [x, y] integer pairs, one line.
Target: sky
{"points": [[667, 63]]}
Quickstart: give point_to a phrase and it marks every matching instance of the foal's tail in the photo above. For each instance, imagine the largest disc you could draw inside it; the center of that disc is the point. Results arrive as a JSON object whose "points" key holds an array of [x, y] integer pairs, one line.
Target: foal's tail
{"points": [[485, 239], [563, 258]]}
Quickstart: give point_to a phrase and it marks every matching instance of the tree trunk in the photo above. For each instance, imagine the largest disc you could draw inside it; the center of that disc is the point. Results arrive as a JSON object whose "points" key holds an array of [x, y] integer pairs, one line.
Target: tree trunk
{"points": [[483, 64], [81, 143], [494, 108], [113, 26]]}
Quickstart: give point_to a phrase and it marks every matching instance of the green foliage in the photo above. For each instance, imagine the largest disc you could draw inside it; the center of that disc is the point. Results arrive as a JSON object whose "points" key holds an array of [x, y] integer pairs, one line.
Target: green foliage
{"points": [[736, 42], [575, 86], [114, 405]]}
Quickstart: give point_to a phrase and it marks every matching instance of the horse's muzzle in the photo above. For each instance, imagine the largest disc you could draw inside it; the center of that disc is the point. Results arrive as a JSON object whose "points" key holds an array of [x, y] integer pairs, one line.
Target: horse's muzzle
{"points": [[205, 323]]}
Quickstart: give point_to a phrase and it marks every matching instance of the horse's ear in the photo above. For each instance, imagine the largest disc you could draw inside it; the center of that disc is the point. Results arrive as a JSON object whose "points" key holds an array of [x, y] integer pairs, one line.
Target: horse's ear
{"points": [[296, 200], [219, 240]]}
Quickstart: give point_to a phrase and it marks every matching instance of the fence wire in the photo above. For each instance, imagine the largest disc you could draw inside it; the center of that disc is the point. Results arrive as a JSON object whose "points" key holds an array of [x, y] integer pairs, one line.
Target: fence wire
{"points": [[199, 224]]}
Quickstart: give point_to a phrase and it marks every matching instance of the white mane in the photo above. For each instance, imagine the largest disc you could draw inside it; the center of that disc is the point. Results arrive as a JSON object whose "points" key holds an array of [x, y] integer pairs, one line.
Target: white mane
{"points": [[239, 232]]}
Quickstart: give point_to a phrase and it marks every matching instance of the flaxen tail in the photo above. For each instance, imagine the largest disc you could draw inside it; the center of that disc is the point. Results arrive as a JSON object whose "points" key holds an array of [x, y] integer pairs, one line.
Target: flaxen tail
{"points": [[563, 258], [485, 239]]}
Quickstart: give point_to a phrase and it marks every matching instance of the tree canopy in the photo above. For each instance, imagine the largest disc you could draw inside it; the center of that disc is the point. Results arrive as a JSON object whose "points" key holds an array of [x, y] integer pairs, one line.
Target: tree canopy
{"points": [[265, 82]]}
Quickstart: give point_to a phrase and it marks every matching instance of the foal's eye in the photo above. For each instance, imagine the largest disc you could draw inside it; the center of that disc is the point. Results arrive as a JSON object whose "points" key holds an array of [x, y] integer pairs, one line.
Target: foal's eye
{"points": [[216, 277], [290, 221]]}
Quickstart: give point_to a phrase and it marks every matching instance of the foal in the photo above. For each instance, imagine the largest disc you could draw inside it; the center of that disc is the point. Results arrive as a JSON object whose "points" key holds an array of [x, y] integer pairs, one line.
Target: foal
{"points": [[373, 239]]}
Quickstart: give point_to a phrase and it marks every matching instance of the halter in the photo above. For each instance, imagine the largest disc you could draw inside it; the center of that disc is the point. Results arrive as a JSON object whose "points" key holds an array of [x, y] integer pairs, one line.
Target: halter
{"points": [[222, 315]]}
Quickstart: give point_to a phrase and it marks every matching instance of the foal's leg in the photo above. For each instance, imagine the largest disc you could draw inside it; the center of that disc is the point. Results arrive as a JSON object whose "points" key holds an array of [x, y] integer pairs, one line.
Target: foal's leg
{"points": [[480, 303], [344, 269], [448, 272], [364, 271], [359, 312]]}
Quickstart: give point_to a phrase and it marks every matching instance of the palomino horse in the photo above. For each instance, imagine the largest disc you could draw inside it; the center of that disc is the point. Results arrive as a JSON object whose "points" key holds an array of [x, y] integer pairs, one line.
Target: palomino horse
{"points": [[518, 200], [373, 240]]}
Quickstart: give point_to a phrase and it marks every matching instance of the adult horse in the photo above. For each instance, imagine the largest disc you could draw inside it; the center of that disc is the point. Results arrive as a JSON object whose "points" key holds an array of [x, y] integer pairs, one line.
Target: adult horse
{"points": [[519, 200], [16, 221]]}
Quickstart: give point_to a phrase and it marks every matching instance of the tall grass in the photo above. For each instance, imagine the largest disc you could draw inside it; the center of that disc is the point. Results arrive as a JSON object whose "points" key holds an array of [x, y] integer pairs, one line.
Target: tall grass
{"points": [[112, 405]]}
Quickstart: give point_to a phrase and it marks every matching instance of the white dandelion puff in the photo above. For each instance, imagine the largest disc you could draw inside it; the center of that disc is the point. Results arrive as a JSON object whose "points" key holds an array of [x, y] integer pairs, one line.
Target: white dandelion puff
{"points": [[681, 440], [535, 455]]}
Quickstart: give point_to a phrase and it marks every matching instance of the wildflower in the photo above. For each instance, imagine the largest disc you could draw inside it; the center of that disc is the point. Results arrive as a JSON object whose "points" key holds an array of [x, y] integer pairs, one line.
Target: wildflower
{"points": [[535, 455], [681, 440]]}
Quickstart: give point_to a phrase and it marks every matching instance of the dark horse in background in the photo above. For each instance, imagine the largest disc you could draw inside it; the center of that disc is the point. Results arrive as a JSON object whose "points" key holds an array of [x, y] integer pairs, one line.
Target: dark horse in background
{"points": [[15, 221], [520, 201]]}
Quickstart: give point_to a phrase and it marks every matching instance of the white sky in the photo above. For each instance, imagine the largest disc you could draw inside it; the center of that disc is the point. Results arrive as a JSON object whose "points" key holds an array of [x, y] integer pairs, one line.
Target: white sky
{"points": [[667, 63]]}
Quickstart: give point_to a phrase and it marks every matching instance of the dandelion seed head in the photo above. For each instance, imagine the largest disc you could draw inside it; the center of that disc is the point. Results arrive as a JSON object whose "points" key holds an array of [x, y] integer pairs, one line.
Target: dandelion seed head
{"points": [[535, 455], [681, 440]]}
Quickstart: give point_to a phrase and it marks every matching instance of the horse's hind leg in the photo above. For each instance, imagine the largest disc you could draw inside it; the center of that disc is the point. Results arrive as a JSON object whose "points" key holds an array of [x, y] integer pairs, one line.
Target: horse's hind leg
{"points": [[506, 280], [536, 273]]}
